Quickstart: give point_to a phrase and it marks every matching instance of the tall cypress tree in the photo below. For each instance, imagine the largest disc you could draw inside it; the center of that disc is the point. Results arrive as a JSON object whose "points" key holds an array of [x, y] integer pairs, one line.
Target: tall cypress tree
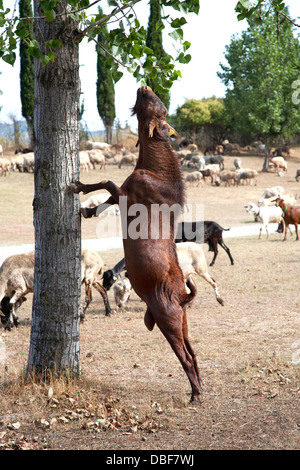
{"points": [[154, 42], [27, 70], [105, 88]]}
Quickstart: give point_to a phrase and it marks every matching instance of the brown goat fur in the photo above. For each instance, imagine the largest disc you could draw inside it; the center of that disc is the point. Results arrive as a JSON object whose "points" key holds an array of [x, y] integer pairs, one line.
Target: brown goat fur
{"points": [[152, 264], [291, 216]]}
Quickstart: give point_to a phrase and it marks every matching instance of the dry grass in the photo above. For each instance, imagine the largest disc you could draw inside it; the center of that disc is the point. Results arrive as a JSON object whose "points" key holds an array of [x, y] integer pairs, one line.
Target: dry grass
{"points": [[133, 393]]}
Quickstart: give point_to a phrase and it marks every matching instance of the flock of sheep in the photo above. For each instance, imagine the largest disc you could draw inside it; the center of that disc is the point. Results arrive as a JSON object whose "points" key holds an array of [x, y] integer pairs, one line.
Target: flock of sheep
{"points": [[211, 167], [17, 271]]}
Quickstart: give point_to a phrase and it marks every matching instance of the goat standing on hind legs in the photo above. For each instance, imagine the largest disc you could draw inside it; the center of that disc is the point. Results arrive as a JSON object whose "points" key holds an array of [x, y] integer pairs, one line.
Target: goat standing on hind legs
{"points": [[151, 262]]}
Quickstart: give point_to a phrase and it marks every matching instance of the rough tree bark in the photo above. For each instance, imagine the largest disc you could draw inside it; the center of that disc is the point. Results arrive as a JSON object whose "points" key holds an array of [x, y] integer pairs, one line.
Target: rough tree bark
{"points": [[54, 341]]}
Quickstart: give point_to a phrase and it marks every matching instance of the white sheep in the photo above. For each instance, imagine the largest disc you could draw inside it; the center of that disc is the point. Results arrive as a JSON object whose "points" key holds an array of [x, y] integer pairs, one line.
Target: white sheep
{"points": [[278, 163], [266, 214], [95, 200], [5, 166], [90, 145], [194, 177], [16, 280], [28, 162], [97, 158], [273, 192], [247, 175], [128, 159], [228, 177], [91, 268], [192, 261], [122, 290], [84, 160]]}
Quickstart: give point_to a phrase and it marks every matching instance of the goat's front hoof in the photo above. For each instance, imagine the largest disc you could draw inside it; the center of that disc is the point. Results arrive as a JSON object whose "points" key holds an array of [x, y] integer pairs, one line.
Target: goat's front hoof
{"points": [[88, 212], [76, 187]]}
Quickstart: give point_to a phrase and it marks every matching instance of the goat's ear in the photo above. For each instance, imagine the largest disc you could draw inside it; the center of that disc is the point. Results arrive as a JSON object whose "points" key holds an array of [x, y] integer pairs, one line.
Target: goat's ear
{"points": [[152, 126], [172, 131]]}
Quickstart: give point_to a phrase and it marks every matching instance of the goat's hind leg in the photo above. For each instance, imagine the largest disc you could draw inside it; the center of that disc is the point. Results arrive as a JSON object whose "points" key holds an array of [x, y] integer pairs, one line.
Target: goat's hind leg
{"points": [[173, 326]]}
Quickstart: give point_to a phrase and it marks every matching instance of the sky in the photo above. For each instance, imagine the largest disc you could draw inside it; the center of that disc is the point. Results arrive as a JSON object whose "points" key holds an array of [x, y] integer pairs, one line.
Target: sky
{"points": [[208, 32]]}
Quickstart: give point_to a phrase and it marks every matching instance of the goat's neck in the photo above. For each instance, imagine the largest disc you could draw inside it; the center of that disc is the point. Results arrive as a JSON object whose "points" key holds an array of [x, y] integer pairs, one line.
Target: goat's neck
{"points": [[158, 158]]}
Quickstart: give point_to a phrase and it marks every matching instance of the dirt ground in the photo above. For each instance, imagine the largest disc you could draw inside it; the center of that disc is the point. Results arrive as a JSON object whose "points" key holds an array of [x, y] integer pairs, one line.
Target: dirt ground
{"points": [[133, 393]]}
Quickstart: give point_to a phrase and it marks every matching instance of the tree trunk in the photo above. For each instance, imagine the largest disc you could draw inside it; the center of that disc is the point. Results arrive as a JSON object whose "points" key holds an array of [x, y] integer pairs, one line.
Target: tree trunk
{"points": [[266, 159], [54, 341]]}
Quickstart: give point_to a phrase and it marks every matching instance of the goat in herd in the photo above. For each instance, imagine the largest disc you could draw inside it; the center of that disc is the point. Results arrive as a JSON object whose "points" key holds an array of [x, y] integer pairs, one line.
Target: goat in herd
{"points": [[152, 264], [291, 216]]}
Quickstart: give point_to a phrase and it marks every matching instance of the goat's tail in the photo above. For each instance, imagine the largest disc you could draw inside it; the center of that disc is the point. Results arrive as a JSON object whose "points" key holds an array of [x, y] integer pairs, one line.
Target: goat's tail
{"points": [[193, 292]]}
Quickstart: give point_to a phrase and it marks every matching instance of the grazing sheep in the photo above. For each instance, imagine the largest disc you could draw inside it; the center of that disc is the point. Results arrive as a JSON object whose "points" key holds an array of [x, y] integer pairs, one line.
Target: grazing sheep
{"points": [[97, 158], [128, 159], [91, 268], [196, 161], [215, 160], [192, 261], [228, 148], [97, 199], [194, 177], [122, 290], [16, 280], [5, 166], [266, 215], [90, 145], [279, 163], [85, 163], [17, 163], [274, 191], [228, 177], [248, 176], [28, 162]]}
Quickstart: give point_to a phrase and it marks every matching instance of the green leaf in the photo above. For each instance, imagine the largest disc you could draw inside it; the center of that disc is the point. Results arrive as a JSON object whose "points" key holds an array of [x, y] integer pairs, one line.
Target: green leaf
{"points": [[116, 75], [45, 59], [50, 15], [9, 58], [54, 44]]}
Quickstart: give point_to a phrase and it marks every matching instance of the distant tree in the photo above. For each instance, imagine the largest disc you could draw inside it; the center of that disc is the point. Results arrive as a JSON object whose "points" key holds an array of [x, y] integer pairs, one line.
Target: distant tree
{"points": [[194, 115], [262, 67], [105, 88], [27, 70], [155, 43]]}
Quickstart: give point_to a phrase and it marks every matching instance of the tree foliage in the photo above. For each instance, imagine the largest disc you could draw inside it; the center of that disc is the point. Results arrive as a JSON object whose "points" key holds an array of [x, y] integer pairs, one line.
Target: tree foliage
{"points": [[27, 69], [262, 67], [125, 43], [105, 87], [194, 115], [155, 43]]}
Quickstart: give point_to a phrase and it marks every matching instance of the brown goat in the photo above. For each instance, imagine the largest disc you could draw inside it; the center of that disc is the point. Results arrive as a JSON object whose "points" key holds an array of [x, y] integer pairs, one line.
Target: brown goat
{"points": [[151, 262], [291, 215]]}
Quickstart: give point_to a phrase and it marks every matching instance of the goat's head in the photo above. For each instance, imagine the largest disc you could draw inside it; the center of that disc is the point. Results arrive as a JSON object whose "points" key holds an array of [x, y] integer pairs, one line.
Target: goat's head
{"points": [[151, 114], [250, 207], [278, 201]]}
